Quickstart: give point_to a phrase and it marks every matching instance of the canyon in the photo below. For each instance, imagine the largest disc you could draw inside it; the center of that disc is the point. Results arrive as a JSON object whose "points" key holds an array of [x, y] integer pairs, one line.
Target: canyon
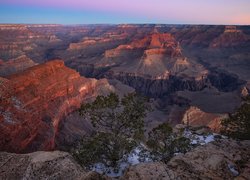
{"points": [[193, 75]]}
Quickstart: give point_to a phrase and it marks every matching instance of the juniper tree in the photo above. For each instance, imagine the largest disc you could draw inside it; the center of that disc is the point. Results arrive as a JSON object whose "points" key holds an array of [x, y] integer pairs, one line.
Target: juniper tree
{"points": [[164, 143], [237, 125], [118, 123]]}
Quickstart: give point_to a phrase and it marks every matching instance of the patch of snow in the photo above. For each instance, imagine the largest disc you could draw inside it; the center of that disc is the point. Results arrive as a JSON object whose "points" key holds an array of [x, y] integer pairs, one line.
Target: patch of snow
{"points": [[209, 138], [233, 170], [142, 154], [194, 142], [199, 139], [135, 157]]}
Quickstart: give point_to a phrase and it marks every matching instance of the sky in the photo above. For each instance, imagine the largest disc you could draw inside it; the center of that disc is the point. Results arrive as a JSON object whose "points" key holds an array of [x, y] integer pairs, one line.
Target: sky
{"points": [[125, 11]]}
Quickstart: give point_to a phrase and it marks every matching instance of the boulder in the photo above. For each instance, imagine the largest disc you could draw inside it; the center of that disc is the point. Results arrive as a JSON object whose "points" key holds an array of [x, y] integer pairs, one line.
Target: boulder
{"points": [[43, 165]]}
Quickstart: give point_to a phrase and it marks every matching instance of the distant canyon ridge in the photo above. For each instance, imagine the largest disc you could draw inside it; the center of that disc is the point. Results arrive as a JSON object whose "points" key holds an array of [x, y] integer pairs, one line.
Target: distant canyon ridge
{"points": [[192, 73]]}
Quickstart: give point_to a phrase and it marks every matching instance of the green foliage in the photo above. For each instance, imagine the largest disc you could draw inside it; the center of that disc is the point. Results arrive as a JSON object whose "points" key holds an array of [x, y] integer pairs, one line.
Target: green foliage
{"points": [[103, 148], [164, 143], [110, 114], [238, 124], [118, 123]]}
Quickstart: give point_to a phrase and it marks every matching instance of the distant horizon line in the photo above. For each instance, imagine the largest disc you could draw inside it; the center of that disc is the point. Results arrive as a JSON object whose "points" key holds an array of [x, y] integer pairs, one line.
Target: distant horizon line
{"points": [[112, 24]]}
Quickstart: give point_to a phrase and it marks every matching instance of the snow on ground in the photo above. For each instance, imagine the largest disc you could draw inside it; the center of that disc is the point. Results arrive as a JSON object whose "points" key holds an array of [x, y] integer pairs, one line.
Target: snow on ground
{"points": [[199, 139], [135, 157]]}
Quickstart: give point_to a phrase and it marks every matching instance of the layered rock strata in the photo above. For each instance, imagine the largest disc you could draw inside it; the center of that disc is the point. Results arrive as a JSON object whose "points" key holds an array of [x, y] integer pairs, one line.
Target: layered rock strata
{"points": [[34, 101]]}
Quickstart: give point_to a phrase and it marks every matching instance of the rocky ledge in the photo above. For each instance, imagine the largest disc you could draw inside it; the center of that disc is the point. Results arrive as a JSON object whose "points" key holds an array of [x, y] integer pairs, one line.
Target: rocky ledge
{"points": [[42, 165], [222, 159]]}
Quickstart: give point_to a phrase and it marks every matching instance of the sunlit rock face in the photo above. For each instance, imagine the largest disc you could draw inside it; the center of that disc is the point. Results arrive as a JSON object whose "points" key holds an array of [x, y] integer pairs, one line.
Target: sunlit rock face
{"points": [[34, 101], [195, 117], [210, 64], [154, 65]]}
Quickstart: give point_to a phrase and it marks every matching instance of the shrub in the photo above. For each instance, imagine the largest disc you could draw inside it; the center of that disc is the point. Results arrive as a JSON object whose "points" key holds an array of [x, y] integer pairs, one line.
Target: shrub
{"points": [[238, 124], [164, 143], [118, 124]]}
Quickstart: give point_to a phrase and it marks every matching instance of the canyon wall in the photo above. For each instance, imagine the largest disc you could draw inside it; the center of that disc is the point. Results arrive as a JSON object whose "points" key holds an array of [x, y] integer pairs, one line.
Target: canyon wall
{"points": [[34, 101]]}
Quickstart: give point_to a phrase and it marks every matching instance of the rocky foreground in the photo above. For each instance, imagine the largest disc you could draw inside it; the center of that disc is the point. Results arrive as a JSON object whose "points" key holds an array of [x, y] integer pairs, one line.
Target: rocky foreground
{"points": [[222, 159]]}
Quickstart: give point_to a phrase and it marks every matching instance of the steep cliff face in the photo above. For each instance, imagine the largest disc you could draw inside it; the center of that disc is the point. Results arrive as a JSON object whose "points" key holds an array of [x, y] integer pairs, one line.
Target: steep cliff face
{"points": [[154, 65], [34, 101], [160, 85]]}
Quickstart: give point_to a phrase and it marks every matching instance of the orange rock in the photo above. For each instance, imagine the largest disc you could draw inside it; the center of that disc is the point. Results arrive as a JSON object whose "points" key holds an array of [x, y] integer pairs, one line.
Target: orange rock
{"points": [[33, 103], [153, 44], [196, 117]]}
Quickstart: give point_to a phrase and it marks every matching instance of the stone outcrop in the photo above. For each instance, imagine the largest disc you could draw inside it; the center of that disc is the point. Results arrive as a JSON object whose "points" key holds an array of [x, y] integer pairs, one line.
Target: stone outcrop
{"points": [[154, 62], [222, 159], [96, 41], [43, 165], [156, 43], [158, 86], [244, 92], [195, 117], [15, 65], [232, 37], [34, 101]]}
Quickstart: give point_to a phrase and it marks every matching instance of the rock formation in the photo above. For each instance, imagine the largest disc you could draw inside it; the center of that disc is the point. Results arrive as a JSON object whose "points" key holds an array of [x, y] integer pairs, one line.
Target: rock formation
{"points": [[15, 65], [222, 159], [94, 41], [43, 165], [17, 40], [155, 60], [196, 117], [34, 101], [232, 37]]}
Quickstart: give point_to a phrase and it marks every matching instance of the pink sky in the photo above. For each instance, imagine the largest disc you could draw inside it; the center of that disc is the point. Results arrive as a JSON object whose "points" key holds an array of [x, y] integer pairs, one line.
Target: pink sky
{"points": [[181, 11]]}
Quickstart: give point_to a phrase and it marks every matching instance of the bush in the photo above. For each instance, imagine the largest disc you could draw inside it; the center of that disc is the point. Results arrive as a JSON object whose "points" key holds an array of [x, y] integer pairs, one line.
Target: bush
{"points": [[118, 124], [238, 124], [164, 143]]}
